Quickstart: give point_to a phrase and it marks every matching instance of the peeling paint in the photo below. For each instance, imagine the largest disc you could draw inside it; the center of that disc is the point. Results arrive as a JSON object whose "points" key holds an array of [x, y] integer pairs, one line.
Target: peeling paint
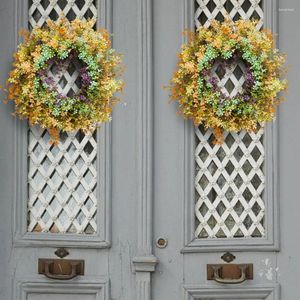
{"points": [[268, 271]]}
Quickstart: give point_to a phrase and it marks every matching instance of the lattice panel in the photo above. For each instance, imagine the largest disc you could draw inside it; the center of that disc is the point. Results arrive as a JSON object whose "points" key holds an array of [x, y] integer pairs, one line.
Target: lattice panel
{"points": [[42, 10], [208, 10], [62, 179], [62, 183], [65, 77], [229, 185], [230, 178]]}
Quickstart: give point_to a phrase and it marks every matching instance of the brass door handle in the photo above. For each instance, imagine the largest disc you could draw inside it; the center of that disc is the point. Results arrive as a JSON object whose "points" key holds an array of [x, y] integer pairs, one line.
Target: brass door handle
{"points": [[61, 269], [218, 279]]}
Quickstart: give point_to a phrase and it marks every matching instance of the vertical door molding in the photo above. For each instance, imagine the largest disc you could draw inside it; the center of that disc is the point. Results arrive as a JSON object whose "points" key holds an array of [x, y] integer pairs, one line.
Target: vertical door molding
{"points": [[144, 263]]}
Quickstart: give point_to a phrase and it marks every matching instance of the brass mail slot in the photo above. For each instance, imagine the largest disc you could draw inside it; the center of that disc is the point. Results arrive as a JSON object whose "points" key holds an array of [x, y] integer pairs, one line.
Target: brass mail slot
{"points": [[229, 273], [61, 269]]}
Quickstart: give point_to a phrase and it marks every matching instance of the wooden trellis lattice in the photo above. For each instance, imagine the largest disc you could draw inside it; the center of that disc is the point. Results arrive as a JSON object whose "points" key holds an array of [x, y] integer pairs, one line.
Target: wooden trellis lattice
{"points": [[230, 178], [62, 179]]}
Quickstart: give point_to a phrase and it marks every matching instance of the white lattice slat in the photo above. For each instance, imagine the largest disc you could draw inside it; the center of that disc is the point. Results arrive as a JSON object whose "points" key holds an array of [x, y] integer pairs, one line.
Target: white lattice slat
{"points": [[229, 184], [62, 179], [42, 10], [230, 178], [62, 183], [208, 10]]}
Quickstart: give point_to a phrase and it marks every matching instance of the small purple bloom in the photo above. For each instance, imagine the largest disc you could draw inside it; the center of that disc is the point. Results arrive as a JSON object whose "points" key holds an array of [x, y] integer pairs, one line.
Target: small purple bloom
{"points": [[41, 73], [82, 97], [49, 80], [205, 72], [61, 96], [249, 77], [83, 70], [246, 97], [213, 81], [85, 79]]}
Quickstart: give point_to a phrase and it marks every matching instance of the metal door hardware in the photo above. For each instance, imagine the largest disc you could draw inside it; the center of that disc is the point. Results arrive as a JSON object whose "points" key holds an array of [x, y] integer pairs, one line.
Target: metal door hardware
{"points": [[61, 269], [161, 242], [228, 257], [230, 273], [61, 252]]}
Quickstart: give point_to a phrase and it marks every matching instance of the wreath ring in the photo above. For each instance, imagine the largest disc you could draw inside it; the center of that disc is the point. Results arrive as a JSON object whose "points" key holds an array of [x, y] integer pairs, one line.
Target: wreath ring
{"points": [[196, 86], [34, 83]]}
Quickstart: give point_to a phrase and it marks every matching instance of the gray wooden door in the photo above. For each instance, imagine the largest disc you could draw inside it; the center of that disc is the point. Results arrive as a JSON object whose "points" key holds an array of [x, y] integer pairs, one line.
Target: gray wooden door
{"points": [[79, 195], [148, 178], [210, 199]]}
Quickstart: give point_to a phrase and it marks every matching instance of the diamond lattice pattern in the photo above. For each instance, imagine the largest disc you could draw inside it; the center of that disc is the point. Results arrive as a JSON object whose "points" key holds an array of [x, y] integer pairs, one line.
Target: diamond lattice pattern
{"points": [[231, 79], [62, 183], [42, 10], [230, 178], [66, 77], [62, 179], [208, 10], [229, 185]]}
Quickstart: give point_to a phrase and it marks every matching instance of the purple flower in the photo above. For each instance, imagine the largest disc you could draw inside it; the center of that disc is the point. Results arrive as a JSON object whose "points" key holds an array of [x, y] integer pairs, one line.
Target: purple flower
{"points": [[205, 72], [213, 81], [85, 79], [83, 70], [249, 77], [61, 96], [49, 80], [41, 73], [82, 98], [246, 97]]}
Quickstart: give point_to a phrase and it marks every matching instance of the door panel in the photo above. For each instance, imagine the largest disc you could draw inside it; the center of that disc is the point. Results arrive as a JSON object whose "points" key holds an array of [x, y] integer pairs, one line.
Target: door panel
{"points": [[58, 296], [71, 290], [67, 196], [94, 195], [210, 199]]}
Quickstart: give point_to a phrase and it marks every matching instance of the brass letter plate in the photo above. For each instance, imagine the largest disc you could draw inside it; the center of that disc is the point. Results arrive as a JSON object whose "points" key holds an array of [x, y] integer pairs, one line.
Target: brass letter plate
{"points": [[61, 269], [229, 273]]}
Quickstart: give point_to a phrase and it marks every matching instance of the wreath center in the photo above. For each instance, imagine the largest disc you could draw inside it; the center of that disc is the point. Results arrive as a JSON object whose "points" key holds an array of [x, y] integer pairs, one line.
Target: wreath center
{"points": [[231, 78], [66, 77]]}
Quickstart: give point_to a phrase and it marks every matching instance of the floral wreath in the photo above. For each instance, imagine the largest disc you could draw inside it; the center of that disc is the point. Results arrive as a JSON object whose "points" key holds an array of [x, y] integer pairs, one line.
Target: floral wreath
{"points": [[196, 86], [34, 90]]}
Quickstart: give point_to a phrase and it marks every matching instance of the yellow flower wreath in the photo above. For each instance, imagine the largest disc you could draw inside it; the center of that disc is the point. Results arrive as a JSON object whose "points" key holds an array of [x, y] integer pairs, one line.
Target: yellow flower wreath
{"points": [[34, 90], [198, 89]]}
